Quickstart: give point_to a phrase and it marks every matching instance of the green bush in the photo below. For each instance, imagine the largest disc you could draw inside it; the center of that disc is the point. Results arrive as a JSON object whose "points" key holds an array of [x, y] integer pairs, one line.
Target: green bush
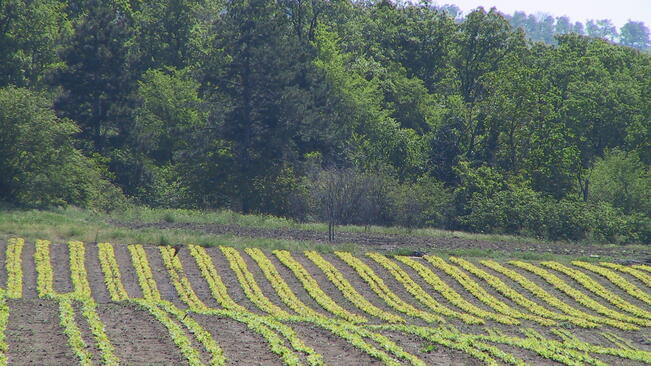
{"points": [[522, 211], [39, 164], [425, 202], [622, 180]]}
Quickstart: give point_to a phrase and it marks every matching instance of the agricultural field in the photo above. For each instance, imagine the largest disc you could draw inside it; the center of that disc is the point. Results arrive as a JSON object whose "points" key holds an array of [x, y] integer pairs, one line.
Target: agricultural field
{"points": [[66, 303]]}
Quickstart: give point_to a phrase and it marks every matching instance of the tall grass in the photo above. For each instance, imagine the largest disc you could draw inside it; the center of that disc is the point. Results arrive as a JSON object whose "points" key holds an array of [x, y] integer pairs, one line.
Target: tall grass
{"points": [[62, 224]]}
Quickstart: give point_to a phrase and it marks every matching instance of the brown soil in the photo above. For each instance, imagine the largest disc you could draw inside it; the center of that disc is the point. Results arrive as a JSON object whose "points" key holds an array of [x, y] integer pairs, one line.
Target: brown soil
{"points": [[162, 278], [329, 288], [95, 275], [198, 283], [127, 272], [86, 334], [241, 346], [3, 270], [435, 356], [334, 350], [230, 280], [60, 260], [296, 286], [389, 242], [29, 271], [363, 288], [264, 284], [34, 335], [138, 338]]}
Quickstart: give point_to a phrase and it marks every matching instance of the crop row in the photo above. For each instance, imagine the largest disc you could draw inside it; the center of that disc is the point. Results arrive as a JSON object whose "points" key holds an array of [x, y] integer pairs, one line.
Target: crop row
{"points": [[314, 290], [349, 332], [349, 292], [618, 280], [162, 309], [80, 295], [518, 298], [4, 319], [419, 293], [276, 328], [546, 349], [382, 290], [640, 275], [14, 267], [253, 322], [267, 327], [481, 294], [601, 291], [579, 296]]}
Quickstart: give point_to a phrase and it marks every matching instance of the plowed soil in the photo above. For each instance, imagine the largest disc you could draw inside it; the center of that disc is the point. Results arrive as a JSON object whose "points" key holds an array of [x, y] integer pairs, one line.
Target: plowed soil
{"points": [[35, 337]]}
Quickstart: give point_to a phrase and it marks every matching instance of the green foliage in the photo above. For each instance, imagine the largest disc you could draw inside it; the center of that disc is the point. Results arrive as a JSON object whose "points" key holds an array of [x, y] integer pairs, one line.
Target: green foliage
{"points": [[97, 81], [520, 210], [482, 180], [622, 180], [423, 203], [244, 104], [40, 165], [30, 34]]}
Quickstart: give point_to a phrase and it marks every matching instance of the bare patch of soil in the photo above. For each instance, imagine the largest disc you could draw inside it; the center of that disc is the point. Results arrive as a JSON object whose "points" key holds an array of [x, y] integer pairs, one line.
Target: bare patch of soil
{"points": [[230, 280], [264, 284], [86, 334], [95, 275], [434, 356], [127, 271], [365, 290], [198, 283], [330, 289], [240, 345], [296, 285], [3, 269], [138, 338], [61, 267], [34, 335], [334, 350], [29, 271], [162, 278]]}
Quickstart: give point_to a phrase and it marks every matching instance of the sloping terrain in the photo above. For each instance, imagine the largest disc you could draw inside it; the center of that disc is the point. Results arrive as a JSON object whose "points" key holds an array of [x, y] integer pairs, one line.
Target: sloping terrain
{"points": [[103, 304]]}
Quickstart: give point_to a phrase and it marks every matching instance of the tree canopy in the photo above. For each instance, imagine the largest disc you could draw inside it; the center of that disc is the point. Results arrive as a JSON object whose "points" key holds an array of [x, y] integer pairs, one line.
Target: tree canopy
{"points": [[251, 104]]}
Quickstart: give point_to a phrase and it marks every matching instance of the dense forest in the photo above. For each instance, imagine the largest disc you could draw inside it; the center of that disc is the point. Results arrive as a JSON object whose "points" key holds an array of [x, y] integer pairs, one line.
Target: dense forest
{"points": [[355, 112]]}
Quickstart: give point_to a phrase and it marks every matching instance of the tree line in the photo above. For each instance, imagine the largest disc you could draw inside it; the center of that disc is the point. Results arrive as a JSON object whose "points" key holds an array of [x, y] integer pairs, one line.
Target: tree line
{"points": [[364, 112]]}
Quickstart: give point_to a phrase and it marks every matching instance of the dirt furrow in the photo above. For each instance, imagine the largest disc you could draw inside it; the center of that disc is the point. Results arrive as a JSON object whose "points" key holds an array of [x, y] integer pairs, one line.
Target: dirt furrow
{"points": [[3, 266], [241, 346], [198, 283], [59, 255], [336, 351], [95, 275], [127, 271], [162, 278], [34, 335], [364, 289], [29, 271], [329, 288], [138, 338], [230, 280]]}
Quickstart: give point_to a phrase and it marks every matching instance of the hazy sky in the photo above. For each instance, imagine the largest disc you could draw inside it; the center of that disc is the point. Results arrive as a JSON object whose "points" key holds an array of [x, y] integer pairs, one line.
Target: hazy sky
{"points": [[619, 11]]}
